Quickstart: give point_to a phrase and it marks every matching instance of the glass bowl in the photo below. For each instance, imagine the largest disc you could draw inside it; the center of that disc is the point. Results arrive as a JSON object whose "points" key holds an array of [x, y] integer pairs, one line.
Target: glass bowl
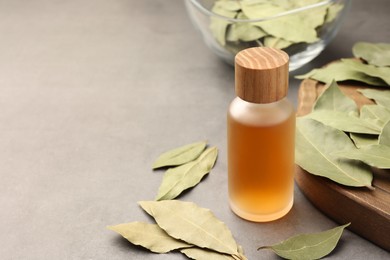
{"points": [[302, 28]]}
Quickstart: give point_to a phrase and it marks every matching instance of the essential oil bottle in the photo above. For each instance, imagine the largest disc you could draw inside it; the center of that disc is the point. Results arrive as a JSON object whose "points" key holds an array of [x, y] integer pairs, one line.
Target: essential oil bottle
{"points": [[261, 133]]}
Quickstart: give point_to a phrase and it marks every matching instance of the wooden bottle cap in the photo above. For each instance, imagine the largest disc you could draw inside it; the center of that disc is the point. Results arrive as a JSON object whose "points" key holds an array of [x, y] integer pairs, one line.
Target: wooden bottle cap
{"points": [[261, 74]]}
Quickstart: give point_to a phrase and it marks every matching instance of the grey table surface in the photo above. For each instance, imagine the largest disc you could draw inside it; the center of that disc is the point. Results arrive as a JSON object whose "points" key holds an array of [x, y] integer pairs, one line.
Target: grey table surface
{"points": [[91, 92]]}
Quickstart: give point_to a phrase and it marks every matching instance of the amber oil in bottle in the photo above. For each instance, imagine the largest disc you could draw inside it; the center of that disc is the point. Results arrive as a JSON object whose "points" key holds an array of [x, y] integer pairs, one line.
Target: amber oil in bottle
{"points": [[261, 130]]}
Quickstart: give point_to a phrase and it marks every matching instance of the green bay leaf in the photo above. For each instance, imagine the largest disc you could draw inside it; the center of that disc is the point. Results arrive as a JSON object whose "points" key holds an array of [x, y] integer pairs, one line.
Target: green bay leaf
{"points": [[314, 151], [333, 99], [373, 155], [381, 97], [195, 225], [344, 122], [340, 71], [149, 236], [374, 53], [180, 155], [308, 246], [180, 178]]}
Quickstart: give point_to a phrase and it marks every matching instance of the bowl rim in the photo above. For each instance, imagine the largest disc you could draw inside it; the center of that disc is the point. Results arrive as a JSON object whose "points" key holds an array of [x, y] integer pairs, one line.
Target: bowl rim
{"points": [[289, 12]]}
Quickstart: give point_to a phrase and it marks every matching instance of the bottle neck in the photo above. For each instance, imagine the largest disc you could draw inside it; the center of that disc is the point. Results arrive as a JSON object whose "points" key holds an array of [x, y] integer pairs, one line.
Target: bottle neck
{"points": [[261, 114]]}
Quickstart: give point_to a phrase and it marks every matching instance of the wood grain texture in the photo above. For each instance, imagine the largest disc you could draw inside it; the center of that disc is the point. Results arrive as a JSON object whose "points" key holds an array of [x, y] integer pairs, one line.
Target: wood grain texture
{"points": [[261, 74], [367, 210]]}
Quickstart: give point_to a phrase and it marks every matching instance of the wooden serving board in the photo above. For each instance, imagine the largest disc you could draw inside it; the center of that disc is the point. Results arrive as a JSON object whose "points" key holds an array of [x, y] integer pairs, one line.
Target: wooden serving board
{"points": [[367, 210]]}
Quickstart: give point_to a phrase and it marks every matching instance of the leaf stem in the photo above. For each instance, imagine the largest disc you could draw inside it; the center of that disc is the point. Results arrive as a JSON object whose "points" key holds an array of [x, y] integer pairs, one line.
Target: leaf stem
{"points": [[264, 247]]}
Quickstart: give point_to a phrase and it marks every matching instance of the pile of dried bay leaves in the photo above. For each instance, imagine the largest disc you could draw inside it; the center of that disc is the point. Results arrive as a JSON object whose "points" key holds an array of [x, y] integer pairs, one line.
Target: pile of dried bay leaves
{"points": [[371, 65], [182, 226], [194, 231], [300, 28], [337, 140]]}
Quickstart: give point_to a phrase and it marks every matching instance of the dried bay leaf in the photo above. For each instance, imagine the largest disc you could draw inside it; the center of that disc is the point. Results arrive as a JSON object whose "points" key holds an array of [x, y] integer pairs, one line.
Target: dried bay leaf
{"points": [[274, 42], [361, 140], [260, 9], [218, 26], [332, 12], [229, 5], [374, 53], [149, 236], [314, 151], [201, 253], [291, 28], [384, 137], [278, 32], [373, 155], [298, 3], [180, 178], [308, 246], [375, 114], [345, 122], [244, 32], [381, 97], [314, 17], [333, 99], [370, 70], [195, 225], [368, 112], [340, 71], [180, 155], [241, 251], [287, 28]]}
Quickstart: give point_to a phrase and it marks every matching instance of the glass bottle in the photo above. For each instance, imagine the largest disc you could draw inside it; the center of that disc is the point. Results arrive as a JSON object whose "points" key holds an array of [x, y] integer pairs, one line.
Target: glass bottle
{"points": [[261, 133]]}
